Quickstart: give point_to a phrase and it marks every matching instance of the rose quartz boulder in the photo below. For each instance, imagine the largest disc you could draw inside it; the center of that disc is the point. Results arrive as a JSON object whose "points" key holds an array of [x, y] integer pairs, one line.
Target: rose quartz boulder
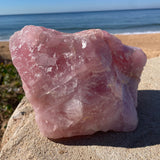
{"points": [[78, 83]]}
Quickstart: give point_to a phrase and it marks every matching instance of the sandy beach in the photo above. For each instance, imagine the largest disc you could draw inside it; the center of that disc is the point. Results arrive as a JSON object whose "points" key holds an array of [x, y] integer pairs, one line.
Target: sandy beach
{"points": [[149, 43], [4, 50]]}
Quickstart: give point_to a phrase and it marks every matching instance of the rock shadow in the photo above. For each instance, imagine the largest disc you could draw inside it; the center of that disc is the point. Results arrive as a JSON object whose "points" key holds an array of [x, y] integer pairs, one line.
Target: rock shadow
{"points": [[146, 134]]}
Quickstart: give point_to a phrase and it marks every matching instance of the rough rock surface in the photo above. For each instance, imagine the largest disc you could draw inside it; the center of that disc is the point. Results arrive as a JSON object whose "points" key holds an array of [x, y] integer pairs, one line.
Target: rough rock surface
{"points": [[22, 139], [78, 83]]}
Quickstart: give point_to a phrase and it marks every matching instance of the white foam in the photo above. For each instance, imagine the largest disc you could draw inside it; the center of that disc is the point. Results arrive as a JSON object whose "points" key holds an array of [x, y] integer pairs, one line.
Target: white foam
{"points": [[144, 32], [4, 40]]}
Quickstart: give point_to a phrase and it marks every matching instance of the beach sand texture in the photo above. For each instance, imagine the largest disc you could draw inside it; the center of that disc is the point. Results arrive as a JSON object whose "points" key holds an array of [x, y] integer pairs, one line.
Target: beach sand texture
{"points": [[4, 51], [149, 43]]}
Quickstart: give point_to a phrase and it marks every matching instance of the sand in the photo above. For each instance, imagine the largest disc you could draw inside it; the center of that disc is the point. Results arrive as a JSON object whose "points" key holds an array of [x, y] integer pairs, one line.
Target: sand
{"points": [[4, 50], [149, 43]]}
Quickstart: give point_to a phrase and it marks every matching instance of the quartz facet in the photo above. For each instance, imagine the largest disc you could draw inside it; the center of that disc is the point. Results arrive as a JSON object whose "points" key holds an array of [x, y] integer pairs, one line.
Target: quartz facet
{"points": [[78, 83]]}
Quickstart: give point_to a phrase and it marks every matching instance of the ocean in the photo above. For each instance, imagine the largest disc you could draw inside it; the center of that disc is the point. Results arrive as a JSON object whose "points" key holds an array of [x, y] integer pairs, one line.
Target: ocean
{"points": [[115, 22]]}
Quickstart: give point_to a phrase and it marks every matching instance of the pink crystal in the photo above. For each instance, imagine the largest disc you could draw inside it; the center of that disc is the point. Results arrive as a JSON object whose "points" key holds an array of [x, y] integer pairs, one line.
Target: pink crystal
{"points": [[78, 83]]}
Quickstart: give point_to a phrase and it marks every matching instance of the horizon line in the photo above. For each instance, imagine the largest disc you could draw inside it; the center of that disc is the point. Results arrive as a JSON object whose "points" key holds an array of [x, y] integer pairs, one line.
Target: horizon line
{"points": [[79, 11]]}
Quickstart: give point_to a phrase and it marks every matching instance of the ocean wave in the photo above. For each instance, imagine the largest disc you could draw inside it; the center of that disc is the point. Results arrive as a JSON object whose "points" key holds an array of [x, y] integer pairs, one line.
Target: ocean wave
{"points": [[2, 39], [109, 27], [133, 26], [143, 32]]}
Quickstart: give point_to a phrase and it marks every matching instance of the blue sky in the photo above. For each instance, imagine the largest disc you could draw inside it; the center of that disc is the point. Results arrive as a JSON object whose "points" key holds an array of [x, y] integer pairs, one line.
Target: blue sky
{"points": [[45, 6]]}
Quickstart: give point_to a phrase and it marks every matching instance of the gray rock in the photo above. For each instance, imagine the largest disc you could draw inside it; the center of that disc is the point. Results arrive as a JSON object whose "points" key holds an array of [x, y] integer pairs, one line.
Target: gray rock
{"points": [[23, 141]]}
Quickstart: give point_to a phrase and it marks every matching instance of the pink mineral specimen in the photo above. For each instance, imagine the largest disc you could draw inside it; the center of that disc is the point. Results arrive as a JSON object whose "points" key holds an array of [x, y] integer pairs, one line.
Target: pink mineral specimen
{"points": [[78, 83]]}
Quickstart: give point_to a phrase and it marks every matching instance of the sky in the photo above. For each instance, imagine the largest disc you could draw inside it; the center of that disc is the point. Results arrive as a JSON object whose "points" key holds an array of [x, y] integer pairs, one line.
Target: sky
{"points": [[47, 6]]}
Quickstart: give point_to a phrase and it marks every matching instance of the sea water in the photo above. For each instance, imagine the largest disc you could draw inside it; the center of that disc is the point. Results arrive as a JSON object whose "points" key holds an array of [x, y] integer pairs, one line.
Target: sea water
{"points": [[115, 22]]}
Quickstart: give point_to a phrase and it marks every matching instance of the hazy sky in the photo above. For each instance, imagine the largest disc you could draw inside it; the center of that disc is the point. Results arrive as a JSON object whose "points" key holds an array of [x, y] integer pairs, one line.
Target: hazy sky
{"points": [[43, 6]]}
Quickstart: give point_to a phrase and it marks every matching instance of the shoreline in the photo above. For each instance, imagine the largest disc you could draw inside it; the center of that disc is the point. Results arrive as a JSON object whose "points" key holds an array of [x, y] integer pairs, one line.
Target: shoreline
{"points": [[137, 33], [148, 42], [115, 34]]}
